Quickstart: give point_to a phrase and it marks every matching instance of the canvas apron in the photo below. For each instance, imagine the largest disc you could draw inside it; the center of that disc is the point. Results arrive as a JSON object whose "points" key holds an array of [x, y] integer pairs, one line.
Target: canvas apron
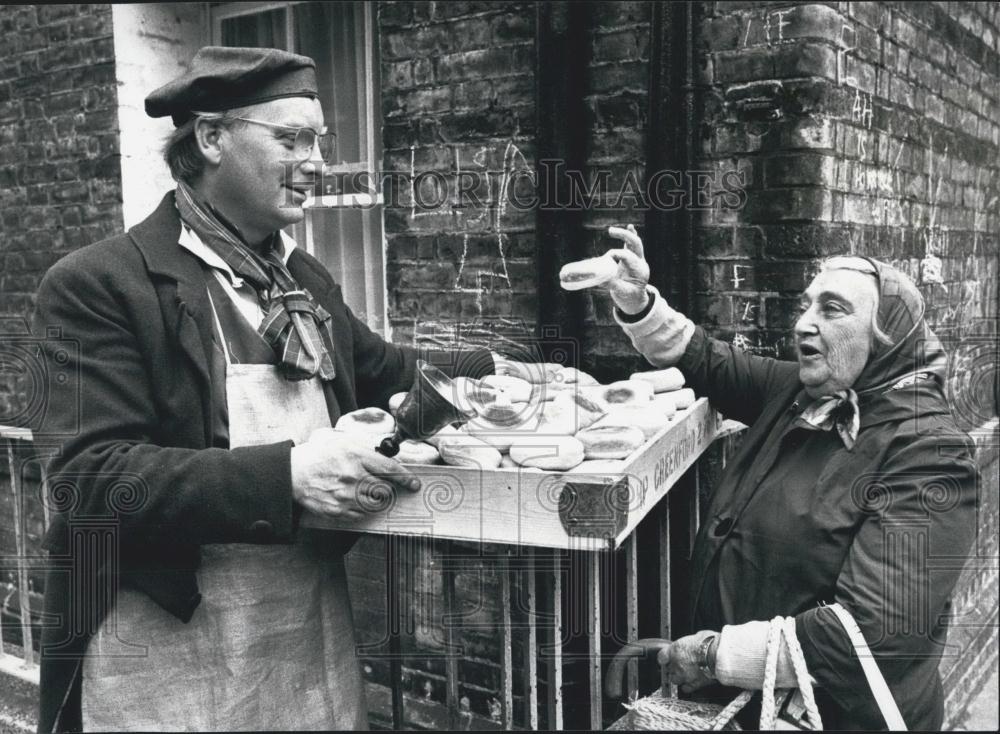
{"points": [[271, 646]]}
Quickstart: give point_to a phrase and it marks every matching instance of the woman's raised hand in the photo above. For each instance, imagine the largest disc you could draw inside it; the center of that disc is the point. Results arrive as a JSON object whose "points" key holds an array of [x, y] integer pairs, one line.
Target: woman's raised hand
{"points": [[628, 288]]}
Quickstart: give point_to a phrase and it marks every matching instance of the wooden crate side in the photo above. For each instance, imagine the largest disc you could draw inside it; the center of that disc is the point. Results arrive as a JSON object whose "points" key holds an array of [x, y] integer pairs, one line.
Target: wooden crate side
{"points": [[535, 508]]}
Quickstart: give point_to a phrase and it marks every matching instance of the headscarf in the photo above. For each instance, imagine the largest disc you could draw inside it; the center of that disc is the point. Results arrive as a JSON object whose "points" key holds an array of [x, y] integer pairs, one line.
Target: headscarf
{"points": [[914, 350], [913, 353]]}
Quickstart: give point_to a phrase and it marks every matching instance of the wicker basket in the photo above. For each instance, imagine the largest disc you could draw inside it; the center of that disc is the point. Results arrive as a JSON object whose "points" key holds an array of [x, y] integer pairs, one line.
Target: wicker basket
{"points": [[660, 713]]}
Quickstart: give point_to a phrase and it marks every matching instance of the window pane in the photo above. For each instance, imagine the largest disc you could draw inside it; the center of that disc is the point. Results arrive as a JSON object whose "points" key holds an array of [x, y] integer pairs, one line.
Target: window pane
{"points": [[333, 34], [348, 242], [266, 29]]}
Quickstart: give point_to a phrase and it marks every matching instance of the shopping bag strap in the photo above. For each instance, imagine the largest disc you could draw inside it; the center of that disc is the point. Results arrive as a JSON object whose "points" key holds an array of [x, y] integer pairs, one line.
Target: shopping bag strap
{"points": [[785, 627], [883, 696]]}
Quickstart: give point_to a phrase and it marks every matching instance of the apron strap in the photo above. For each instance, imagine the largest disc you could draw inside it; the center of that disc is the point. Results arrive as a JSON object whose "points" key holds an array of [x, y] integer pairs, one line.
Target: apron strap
{"points": [[218, 326]]}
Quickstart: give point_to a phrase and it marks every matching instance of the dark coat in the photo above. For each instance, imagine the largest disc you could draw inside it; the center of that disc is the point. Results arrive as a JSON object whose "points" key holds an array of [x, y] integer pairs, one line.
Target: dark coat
{"points": [[137, 470], [798, 520]]}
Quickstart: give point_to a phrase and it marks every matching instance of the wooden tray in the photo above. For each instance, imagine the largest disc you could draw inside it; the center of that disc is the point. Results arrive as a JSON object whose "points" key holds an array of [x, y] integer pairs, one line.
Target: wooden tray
{"points": [[545, 509]]}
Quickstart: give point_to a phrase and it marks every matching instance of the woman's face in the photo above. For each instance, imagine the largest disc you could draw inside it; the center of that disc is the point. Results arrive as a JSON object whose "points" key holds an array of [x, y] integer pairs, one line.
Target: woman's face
{"points": [[834, 332]]}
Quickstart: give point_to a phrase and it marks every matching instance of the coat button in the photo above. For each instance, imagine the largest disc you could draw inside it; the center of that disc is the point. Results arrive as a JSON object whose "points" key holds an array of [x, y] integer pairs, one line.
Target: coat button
{"points": [[724, 526], [262, 528]]}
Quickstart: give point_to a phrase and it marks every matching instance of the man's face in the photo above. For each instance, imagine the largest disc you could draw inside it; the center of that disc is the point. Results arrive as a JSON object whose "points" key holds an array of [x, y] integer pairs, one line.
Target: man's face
{"points": [[260, 184], [834, 332]]}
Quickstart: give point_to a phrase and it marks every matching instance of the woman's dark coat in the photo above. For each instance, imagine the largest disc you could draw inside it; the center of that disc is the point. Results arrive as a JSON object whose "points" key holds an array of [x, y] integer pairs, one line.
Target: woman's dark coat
{"points": [[137, 482], [799, 521]]}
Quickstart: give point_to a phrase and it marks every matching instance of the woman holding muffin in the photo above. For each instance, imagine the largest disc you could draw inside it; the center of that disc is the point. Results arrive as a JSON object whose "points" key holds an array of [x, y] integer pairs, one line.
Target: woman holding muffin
{"points": [[852, 480]]}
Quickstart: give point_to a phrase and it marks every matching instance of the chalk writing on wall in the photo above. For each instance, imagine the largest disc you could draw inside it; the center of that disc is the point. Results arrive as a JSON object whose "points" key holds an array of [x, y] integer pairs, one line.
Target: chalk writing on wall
{"points": [[772, 25], [475, 210]]}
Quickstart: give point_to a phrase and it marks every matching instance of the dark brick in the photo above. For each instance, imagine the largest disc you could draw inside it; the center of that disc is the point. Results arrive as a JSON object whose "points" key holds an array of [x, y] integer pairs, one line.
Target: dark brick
{"points": [[805, 59], [785, 277], [467, 35], [472, 94], [807, 21], [51, 13], [90, 26], [781, 312], [398, 133], [99, 121], [905, 32], [720, 34], [58, 33], [61, 56], [616, 46], [99, 50], [620, 110], [902, 93], [511, 90], [715, 241], [732, 275], [613, 14], [397, 74], [509, 27], [460, 8], [809, 132], [37, 195], [38, 173], [621, 145], [774, 205], [620, 76], [871, 14], [408, 43], [745, 65], [714, 310], [800, 170], [393, 14], [474, 64], [476, 125], [423, 71]]}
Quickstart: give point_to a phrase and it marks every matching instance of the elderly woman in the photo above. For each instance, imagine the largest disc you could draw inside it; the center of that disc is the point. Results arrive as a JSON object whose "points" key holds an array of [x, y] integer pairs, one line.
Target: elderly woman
{"points": [[853, 485]]}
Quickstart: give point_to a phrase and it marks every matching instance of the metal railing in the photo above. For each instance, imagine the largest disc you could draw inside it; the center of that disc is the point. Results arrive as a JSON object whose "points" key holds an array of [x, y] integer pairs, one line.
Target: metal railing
{"points": [[15, 441]]}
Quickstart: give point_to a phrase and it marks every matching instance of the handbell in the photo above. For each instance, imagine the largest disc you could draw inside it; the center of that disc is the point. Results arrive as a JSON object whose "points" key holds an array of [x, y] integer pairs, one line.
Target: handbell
{"points": [[425, 410]]}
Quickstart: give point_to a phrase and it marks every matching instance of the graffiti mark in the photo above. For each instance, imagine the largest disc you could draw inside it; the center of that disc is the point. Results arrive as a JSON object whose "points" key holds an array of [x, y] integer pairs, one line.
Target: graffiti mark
{"points": [[862, 111], [736, 276]]}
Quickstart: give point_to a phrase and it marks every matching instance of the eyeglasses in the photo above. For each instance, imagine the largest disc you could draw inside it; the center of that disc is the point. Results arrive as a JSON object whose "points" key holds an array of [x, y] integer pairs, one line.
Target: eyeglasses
{"points": [[306, 140]]}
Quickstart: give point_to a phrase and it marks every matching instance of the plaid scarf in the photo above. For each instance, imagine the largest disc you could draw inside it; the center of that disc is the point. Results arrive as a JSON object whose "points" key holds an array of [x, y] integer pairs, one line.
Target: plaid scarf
{"points": [[296, 327], [838, 411]]}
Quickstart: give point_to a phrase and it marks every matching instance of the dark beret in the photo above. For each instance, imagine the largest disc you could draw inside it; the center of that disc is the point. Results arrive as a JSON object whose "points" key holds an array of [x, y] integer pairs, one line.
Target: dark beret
{"points": [[222, 78]]}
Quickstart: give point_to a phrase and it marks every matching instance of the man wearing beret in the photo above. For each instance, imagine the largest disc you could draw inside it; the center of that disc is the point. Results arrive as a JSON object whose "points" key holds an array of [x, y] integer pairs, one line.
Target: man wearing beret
{"points": [[214, 356]]}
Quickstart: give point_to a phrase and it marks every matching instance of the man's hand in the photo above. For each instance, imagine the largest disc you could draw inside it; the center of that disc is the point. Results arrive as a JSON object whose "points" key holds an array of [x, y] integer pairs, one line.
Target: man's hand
{"points": [[628, 289], [334, 474], [682, 660]]}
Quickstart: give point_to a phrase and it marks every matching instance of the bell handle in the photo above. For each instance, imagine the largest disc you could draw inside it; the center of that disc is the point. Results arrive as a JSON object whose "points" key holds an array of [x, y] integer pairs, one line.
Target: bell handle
{"points": [[389, 446]]}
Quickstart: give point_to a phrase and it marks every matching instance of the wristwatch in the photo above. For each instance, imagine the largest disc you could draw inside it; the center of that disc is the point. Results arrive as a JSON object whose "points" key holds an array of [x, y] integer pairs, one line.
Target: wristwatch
{"points": [[707, 669]]}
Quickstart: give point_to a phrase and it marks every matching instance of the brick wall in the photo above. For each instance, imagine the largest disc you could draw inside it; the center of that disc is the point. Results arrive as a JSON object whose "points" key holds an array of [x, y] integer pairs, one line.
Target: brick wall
{"points": [[617, 101], [868, 128], [60, 183], [458, 96]]}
